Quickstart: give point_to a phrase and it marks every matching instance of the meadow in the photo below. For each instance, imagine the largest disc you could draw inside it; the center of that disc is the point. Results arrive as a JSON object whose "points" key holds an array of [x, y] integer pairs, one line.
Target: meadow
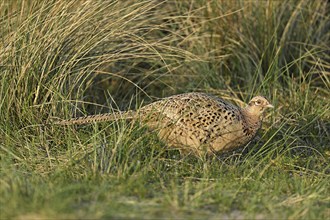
{"points": [[61, 59]]}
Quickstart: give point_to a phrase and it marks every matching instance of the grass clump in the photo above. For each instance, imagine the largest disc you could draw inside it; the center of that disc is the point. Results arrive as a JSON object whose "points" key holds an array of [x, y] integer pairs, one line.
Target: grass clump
{"points": [[61, 59]]}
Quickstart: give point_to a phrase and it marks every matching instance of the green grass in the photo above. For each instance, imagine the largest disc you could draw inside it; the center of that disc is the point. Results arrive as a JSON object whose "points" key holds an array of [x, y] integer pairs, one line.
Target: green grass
{"points": [[60, 59]]}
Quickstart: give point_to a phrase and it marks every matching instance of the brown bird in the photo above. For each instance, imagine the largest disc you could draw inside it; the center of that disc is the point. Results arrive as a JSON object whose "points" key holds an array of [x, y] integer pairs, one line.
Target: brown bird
{"points": [[194, 122]]}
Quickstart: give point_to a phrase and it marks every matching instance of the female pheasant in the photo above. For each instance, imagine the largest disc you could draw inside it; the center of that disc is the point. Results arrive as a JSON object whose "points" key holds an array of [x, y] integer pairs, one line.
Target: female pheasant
{"points": [[194, 122]]}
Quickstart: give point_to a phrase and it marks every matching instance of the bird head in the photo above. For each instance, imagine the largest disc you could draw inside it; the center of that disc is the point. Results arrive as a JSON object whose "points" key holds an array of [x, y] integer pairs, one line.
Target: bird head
{"points": [[257, 105]]}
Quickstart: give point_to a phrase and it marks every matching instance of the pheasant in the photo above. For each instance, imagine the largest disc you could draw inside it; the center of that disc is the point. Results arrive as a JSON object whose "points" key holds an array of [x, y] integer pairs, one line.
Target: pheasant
{"points": [[194, 122]]}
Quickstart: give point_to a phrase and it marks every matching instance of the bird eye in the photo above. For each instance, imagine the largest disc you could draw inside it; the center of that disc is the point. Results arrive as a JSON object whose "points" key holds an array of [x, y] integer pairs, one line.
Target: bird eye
{"points": [[258, 102]]}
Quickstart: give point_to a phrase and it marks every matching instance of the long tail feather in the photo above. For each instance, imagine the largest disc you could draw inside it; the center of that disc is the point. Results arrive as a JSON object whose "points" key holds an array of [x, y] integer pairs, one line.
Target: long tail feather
{"points": [[98, 118]]}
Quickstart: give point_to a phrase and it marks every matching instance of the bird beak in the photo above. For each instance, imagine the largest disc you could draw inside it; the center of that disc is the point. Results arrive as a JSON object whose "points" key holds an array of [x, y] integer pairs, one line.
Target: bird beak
{"points": [[269, 106]]}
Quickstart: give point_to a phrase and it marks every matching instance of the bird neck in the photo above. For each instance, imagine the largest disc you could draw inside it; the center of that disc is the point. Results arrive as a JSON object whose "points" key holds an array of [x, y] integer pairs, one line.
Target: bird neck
{"points": [[252, 117]]}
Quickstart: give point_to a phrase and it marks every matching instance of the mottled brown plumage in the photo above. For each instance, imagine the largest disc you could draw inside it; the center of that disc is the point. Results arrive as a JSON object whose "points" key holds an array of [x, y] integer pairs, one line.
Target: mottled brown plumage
{"points": [[194, 122]]}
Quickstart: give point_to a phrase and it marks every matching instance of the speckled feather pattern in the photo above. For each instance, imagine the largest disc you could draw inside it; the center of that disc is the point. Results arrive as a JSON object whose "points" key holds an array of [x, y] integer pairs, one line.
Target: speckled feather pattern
{"points": [[199, 121]]}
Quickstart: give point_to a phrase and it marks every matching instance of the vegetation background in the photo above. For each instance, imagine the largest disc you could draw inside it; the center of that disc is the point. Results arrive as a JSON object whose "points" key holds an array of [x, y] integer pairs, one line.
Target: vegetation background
{"points": [[63, 58]]}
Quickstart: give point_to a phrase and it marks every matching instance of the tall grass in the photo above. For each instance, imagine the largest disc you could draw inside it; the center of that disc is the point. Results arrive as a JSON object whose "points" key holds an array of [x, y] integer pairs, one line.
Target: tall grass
{"points": [[60, 59]]}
